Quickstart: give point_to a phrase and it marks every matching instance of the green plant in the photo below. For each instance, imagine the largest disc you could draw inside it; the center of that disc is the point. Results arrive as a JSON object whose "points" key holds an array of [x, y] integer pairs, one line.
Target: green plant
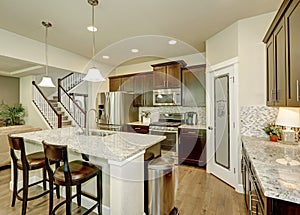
{"points": [[273, 130], [13, 113]]}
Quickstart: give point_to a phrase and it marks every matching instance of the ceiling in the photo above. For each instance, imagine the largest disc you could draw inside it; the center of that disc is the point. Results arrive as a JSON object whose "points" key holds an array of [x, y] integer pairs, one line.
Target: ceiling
{"points": [[123, 25]]}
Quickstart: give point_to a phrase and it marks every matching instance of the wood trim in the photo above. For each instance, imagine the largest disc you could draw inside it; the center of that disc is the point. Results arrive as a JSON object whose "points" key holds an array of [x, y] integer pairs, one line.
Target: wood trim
{"points": [[67, 76], [181, 62], [279, 15], [194, 67]]}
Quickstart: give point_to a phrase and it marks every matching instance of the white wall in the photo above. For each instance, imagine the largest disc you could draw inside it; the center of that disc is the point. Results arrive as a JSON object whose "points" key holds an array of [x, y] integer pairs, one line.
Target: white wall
{"points": [[32, 116], [252, 59], [223, 45]]}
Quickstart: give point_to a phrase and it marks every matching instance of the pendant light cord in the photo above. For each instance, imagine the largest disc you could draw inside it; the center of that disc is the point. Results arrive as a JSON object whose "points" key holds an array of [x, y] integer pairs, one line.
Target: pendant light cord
{"points": [[46, 49], [93, 24]]}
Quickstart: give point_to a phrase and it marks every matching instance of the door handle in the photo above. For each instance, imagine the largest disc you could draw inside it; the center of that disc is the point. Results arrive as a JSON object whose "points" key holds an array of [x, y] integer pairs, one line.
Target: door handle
{"points": [[210, 128]]}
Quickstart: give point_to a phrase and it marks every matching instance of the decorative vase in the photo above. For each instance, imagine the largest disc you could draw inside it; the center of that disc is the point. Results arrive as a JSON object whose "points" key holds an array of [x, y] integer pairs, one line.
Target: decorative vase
{"points": [[273, 138]]}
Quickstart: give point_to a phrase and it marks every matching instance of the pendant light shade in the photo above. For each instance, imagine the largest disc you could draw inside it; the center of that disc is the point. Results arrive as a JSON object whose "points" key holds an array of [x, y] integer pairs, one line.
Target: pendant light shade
{"points": [[46, 80], [93, 74]]}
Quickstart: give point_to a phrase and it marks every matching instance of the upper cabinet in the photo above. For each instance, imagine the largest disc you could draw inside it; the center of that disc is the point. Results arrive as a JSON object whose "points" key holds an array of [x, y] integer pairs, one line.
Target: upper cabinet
{"points": [[167, 75], [121, 83], [193, 86], [143, 87], [283, 64]]}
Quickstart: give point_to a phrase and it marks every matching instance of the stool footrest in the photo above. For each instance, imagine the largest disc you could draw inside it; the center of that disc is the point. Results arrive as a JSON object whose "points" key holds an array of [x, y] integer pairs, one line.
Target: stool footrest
{"points": [[33, 197]]}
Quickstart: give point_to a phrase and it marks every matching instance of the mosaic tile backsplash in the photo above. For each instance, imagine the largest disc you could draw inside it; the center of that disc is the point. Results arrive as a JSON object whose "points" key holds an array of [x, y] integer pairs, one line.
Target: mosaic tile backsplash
{"points": [[175, 109], [255, 118]]}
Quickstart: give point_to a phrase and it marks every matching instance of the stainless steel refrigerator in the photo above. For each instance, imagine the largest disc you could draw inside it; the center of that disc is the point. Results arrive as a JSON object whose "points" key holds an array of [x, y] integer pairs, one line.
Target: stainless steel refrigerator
{"points": [[115, 110]]}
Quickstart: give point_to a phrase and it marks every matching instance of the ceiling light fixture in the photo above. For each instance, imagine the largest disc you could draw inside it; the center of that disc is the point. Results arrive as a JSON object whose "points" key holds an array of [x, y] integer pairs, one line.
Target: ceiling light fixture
{"points": [[92, 28], [93, 73], [134, 50], [46, 80], [172, 42], [105, 57]]}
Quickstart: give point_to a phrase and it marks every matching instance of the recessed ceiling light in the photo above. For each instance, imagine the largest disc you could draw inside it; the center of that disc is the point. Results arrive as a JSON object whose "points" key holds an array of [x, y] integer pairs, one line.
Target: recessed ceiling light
{"points": [[92, 28], [172, 42], [105, 57], [134, 50]]}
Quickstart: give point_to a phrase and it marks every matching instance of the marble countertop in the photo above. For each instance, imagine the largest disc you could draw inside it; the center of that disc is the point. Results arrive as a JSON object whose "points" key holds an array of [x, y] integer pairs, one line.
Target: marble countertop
{"points": [[277, 166], [115, 146]]}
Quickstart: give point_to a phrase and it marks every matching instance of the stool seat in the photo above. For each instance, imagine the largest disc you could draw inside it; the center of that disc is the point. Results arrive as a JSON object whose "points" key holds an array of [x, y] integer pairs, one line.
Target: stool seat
{"points": [[35, 161], [80, 172]]}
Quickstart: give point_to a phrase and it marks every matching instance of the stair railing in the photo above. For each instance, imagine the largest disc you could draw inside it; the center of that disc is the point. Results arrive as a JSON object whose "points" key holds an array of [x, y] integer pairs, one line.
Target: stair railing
{"points": [[50, 114], [71, 80], [75, 111]]}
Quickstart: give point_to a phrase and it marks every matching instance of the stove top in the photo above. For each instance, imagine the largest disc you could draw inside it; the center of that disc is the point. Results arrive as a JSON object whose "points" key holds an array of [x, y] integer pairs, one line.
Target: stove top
{"points": [[165, 124]]}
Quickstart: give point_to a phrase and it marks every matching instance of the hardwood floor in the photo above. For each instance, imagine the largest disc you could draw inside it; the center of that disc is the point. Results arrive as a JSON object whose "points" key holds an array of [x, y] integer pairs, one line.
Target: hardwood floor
{"points": [[198, 193]]}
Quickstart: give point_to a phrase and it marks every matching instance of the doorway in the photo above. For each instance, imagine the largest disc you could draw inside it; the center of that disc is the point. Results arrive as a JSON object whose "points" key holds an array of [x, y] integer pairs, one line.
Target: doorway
{"points": [[222, 115]]}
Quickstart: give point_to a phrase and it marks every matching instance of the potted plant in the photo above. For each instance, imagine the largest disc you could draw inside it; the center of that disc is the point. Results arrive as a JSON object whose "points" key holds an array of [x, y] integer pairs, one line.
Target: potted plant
{"points": [[273, 131], [14, 114]]}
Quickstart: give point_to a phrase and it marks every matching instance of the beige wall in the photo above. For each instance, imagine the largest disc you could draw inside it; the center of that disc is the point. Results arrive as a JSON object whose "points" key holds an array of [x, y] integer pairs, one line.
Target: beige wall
{"points": [[252, 59], [223, 45], [9, 90]]}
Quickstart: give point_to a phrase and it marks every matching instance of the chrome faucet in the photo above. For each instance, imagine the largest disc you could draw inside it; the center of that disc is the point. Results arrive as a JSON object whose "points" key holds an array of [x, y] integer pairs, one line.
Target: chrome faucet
{"points": [[87, 129]]}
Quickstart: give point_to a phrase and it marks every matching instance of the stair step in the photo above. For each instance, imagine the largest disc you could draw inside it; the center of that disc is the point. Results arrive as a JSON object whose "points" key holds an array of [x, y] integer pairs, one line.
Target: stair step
{"points": [[58, 109], [64, 118], [55, 98], [68, 122], [53, 101]]}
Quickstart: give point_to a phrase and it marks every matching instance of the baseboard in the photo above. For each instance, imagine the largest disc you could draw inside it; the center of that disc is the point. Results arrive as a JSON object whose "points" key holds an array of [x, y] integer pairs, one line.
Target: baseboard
{"points": [[239, 188], [85, 202]]}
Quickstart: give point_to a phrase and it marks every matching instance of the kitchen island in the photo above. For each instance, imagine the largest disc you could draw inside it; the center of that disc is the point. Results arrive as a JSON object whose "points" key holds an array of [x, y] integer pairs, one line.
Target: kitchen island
{"points": [[120, 154], [275, 169]]}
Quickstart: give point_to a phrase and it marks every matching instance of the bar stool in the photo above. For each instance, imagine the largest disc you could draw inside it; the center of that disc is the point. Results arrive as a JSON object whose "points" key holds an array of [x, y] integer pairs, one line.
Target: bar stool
{"points": [[70, 174], [25, 163]]}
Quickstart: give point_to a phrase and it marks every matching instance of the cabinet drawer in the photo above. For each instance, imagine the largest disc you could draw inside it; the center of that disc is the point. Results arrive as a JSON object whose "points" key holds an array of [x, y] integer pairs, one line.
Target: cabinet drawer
{"points": [[142, 129]]}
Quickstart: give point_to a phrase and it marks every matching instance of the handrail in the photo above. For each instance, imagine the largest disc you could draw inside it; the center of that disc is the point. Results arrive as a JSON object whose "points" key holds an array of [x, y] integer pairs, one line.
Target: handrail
{"points": [[71, 80], [67, 75], [44, 105], [78, 114]]}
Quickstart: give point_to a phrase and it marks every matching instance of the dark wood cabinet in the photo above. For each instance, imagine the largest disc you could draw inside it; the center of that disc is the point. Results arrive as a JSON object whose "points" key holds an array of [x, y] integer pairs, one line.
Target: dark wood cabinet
{"points": [[192, 146], [167, 75], [142, 129], [143, 86], [193, 86], [282, 48], [121, 83], [292, 23]]}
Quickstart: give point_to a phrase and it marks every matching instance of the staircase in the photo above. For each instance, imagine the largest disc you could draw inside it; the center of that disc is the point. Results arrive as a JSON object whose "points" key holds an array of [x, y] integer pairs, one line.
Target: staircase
{"points": [[66, 122], [57, 110]]}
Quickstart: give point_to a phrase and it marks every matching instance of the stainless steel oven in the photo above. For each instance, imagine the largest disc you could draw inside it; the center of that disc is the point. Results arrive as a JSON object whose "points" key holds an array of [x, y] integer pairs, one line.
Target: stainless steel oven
{"points": [[171, 133]]}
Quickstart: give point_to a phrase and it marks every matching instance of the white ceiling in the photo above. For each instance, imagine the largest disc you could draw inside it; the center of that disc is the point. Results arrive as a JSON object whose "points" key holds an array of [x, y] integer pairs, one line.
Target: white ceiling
{"points": [[122, 25]]}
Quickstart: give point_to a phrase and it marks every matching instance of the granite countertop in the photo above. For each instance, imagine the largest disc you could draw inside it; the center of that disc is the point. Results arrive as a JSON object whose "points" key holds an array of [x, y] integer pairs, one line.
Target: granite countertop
{"points": [[193, 126], [277, 166], [139, 123], [115, 146]]}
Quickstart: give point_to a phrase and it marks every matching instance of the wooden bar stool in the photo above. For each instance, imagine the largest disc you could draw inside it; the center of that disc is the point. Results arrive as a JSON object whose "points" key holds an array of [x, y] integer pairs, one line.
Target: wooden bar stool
{"points": [[70, 174], [25, 163]]}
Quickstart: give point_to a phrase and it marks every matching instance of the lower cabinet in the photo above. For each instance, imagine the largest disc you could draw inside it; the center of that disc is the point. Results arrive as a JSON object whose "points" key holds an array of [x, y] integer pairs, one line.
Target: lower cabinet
{"points": [[192, 146]]}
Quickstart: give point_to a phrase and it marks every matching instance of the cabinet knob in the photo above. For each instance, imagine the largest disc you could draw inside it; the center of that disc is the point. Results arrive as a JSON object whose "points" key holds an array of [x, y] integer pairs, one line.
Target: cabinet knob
{"points": [[210, 128]]}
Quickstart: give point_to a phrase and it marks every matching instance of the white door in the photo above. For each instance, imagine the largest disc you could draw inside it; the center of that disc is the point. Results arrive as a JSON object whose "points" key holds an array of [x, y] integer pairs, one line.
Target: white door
{"points": [[222, 112]]}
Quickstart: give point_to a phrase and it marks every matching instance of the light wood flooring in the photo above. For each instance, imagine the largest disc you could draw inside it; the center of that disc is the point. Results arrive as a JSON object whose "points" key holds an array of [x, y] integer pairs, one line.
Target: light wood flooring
{"points": [[199, 193]]}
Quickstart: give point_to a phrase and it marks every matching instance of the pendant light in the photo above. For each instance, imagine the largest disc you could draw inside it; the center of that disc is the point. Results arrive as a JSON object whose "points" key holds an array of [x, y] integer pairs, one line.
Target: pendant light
{"points": [[46, 80], [93, 73]]}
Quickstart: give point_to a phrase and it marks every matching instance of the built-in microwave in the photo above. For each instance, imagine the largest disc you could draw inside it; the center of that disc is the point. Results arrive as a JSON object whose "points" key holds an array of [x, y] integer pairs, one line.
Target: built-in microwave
{"points": [[167, 97]]}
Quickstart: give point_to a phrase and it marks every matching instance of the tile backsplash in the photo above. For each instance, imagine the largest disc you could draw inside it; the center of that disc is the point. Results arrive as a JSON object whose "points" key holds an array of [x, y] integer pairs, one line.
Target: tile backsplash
{"points": [[255, 118], [174, 109]]}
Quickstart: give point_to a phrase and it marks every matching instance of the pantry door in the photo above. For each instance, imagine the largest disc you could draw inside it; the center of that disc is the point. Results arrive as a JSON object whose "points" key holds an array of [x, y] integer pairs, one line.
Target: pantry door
{"points": [[222, 112]]}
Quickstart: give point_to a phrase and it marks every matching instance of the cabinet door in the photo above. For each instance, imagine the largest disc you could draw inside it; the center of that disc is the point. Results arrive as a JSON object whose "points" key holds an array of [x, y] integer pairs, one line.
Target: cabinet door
{"points": [[114, 84], [271, 84], [159, 77], [138, 90], [127, 84], [293, 53], [193, 87], [173, 76], [192, 147], [279, 49], [148, 89]]}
